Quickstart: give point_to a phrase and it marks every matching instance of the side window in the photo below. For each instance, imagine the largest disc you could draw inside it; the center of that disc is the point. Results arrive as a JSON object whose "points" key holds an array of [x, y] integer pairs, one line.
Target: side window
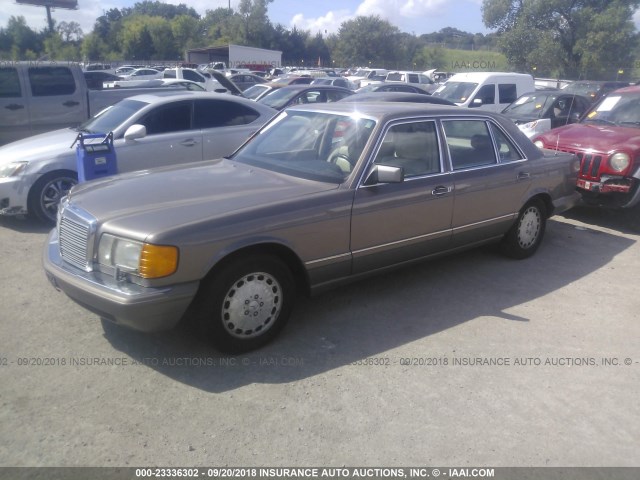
{"points": [[168, 119], [220, 113], [506, 150], [193, 76], [487, 94], [48, 81], [9, 83], [412, 146], [169, 74], [413, 78], [469, 143], [507, 92]]}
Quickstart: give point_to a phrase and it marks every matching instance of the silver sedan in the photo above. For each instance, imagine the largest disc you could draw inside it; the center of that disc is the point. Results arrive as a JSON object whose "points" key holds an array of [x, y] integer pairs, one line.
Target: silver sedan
{"points": [[149, 131]]}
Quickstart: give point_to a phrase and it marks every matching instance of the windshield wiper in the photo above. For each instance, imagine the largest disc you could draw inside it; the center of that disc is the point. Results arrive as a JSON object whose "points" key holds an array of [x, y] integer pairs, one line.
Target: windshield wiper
{"points": [[629, 122], [601, 120]]}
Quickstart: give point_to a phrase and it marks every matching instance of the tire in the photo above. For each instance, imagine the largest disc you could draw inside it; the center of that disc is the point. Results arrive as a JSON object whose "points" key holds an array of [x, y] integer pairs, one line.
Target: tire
{"points": [[246, 303], [525, 236], [46, 193]]}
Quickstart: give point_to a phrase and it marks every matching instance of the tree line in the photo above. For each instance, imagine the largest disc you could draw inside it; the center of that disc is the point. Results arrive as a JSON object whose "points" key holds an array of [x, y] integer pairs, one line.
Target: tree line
{"points": [[570, 38]]}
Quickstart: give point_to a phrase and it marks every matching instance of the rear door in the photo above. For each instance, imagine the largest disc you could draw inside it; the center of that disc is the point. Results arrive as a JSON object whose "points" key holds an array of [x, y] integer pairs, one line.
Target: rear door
{"points": [[14, 114], [491, 176], [224, 125], [55, 98]]}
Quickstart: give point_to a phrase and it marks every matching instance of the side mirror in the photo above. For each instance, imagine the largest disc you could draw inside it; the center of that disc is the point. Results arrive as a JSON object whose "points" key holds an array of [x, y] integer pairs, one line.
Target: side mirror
{"points": [[476, 102], [135, 132], [384, 174]]}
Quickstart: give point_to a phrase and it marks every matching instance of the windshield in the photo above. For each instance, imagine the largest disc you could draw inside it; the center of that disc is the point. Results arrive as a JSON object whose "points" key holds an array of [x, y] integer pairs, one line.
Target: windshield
{"points": [[254, 91], [582, 88], [312, 145], [279, 98], [531, 105], [112, 117], [456, 92], [620, 109]]}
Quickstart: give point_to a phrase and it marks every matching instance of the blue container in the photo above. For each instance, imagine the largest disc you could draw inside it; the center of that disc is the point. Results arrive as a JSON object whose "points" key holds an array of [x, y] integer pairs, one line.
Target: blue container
{"points": [[96, 156]]}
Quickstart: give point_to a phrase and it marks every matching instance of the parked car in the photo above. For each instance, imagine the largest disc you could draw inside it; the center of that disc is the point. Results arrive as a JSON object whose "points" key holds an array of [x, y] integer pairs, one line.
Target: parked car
{"points": [[593, 90], [392, 87], [142, 74], [284, 97], [396, 97], [148, 130], [246, 80], [95, 79], [292, 79], [321, 195], [414, 79], [539, 111], [492, 91], [335, 81], [607, 142]]}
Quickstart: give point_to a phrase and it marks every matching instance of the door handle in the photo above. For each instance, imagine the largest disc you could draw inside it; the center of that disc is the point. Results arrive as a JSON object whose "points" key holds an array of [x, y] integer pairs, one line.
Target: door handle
{"points": [[440, 190], [14, 106], [70, 103], [188, 143], [523, 175]]}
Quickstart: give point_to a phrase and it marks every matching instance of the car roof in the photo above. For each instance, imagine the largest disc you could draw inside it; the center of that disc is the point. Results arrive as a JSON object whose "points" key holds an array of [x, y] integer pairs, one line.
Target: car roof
{"points": [[168, 97], [299, 87], [396, 97], [630, 89]]}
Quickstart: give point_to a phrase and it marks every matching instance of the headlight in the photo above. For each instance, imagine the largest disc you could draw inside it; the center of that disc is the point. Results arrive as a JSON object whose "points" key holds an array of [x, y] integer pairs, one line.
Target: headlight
{"points": [[529, 125], [539, 143], [619, 161], [12, 169], [142, 259]]}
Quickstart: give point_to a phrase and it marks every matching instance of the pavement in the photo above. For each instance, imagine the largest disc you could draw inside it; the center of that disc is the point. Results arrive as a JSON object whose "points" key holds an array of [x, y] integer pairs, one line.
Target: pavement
{"points": [[473, 359]]}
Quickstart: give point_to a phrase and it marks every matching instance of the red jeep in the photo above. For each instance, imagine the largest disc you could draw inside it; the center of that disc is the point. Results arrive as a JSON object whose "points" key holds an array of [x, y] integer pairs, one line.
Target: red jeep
{"points": [[607, 142]]}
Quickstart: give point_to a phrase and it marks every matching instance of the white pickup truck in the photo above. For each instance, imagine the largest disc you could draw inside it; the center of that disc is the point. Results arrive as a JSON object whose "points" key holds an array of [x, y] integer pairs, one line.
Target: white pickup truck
{"points": [[37, 97]]}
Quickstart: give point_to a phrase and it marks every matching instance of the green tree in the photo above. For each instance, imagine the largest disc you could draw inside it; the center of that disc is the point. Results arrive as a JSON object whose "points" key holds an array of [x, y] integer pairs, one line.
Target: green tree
{"points": [[257, 28], [575, 38], [69, 31], [367, 41], [25, 43]]}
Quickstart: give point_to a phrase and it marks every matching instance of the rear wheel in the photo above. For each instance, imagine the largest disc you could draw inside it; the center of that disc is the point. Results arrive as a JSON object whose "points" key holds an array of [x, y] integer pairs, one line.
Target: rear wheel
{"points": [[246, 303], [525, 236], [46, 193]]}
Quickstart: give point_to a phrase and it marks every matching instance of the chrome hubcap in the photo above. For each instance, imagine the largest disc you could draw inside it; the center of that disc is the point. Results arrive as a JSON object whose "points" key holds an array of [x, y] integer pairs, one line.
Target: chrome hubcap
{"points": [[252, 305], [529, 227]]}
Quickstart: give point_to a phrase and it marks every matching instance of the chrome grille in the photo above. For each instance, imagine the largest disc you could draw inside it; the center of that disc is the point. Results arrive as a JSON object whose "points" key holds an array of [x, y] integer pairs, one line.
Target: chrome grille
{"points": [[74, 233]]}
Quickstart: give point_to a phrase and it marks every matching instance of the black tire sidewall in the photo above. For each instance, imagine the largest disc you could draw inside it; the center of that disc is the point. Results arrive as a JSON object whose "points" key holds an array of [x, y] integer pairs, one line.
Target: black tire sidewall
{"points": [[510, 244], [34, 200], [214, 288]]}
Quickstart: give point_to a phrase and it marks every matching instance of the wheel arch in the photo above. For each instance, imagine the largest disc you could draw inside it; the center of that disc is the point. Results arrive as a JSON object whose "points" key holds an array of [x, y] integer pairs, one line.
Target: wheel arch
{"points": [[545, 198], [269, 248]]}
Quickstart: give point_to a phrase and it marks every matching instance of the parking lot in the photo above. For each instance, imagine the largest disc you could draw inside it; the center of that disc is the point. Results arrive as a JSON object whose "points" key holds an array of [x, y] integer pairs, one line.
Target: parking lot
{"points": [[473, 359]]}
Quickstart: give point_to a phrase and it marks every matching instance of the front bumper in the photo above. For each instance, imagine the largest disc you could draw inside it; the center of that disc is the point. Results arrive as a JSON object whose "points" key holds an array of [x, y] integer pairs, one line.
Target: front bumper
{"points": [[611, 191], [141, 308], [13, 195]]}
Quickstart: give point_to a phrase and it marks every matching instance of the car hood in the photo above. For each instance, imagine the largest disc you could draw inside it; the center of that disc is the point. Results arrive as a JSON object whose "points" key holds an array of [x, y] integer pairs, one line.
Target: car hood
{"points": [[46, 145], [148, 205], [602, 138]]}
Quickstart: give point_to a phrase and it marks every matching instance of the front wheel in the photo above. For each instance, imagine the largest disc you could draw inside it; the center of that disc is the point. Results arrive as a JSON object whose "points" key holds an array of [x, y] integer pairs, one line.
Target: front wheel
{"points": [[46, 193], [525, 236], [246, 303]]}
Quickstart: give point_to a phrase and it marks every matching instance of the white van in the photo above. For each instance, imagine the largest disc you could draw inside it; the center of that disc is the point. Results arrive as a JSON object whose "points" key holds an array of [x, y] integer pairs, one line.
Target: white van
{"points": [[491, 91]]}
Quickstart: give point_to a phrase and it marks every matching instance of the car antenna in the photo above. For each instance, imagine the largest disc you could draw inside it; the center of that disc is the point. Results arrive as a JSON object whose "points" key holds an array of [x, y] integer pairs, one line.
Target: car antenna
{"points": [[557, 143]]}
